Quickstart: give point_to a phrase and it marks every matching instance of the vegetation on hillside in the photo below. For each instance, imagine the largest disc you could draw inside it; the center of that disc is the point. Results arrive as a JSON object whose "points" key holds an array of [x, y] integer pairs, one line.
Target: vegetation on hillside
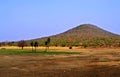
{"points": [[85, 35]]}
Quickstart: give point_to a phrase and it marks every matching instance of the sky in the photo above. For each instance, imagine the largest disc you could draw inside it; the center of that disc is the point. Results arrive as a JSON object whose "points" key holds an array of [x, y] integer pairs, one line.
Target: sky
{"points": [[29, 19]]}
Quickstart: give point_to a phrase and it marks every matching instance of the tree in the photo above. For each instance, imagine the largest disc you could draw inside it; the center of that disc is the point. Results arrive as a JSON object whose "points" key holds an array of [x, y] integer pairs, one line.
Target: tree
{"points": [[3, 43], [22, 43], [0, 44], [47, 43], [119, 44], [11, 43], [32, 44], [85, 45], [35, 45], [70, 43]]}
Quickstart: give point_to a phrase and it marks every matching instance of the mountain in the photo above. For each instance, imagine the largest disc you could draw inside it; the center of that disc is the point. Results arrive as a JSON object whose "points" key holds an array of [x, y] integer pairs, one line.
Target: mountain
{"points": [[83, 34]]}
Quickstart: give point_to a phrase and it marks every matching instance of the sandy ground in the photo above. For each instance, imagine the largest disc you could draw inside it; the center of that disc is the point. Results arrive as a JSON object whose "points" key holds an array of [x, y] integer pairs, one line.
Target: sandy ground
{"points": [[90, 63]]}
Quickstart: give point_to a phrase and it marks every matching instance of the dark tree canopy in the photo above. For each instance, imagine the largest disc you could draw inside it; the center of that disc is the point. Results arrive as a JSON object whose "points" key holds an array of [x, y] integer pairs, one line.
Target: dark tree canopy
{"points": [[22, 43], [32, 43], [48, 40], [36, 44], [47, 44]]}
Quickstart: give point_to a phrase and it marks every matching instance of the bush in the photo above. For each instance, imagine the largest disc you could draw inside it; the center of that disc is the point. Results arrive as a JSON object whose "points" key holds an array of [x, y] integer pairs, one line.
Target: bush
{"points": [[70, 47]]}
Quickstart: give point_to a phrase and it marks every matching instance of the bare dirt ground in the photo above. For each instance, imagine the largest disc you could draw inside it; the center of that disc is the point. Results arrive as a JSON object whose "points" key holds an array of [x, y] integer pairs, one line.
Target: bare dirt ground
{"points": [[90, 63]]}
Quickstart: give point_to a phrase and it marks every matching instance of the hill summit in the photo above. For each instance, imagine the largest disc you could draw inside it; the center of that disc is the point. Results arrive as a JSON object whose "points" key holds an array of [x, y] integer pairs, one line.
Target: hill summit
{"points": [[88, 34], [88, 30]]}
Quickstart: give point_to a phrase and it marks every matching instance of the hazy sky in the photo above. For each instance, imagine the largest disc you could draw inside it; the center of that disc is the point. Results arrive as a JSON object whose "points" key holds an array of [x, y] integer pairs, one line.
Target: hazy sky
{"points": [[28, 19]]}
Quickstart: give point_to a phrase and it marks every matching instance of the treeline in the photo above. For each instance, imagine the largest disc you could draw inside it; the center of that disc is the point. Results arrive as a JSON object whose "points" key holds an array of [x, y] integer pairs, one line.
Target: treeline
{"points": [[92, 42], [84, 42]]}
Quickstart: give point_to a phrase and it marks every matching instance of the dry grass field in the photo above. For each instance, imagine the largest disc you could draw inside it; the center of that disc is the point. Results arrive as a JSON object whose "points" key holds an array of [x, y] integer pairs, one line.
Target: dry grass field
{"points": [[101, 62]]}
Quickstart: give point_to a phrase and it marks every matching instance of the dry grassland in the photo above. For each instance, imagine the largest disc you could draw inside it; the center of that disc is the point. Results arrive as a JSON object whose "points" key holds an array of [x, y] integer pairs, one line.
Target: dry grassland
{"points": [[101, 62]]}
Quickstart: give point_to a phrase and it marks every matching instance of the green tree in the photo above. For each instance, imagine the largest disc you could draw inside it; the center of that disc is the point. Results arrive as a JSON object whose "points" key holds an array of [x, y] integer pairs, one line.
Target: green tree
{"points": [[35, 45], [11, 43], [47, 44], [85, 45], [32, 45]]}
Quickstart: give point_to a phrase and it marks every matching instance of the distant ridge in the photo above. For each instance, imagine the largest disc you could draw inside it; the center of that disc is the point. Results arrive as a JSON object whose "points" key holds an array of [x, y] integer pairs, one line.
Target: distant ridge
{"points": [[83, 34]]}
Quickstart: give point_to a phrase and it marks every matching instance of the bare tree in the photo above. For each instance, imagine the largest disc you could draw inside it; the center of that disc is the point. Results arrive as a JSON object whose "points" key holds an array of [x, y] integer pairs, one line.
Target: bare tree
{"points": [[22, 43]]}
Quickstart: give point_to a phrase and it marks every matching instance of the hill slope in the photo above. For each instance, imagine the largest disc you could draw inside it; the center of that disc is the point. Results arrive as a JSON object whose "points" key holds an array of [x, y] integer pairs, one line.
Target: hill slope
{"points": [[83, 34]]}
